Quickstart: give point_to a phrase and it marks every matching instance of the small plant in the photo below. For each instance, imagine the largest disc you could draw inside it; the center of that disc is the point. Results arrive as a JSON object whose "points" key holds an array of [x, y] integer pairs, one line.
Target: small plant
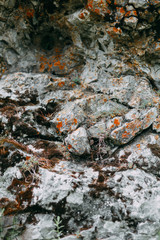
{"points": [[58, 228], [102, 151], [30, 165]]}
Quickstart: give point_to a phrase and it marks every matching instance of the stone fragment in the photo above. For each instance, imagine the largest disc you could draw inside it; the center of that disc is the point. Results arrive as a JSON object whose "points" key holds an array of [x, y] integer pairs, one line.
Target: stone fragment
{"points": [[77, 142], [143, 152], [131, 22], [11, 56], [143, 96], [157, 47], [97, 130], [155, 3], [129, 130], [99, 106], [69, 118], [148, 117], [139, 3], [59, 185]]}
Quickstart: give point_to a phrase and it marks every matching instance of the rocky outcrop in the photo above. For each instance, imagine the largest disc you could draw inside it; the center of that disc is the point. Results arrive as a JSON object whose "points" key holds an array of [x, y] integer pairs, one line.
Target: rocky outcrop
{"points": [[79, 119]]}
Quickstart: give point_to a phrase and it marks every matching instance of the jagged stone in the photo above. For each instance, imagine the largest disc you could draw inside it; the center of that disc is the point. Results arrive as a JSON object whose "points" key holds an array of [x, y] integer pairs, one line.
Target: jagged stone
{"points": [[69, 118], [98, 130], [131, 22], [139, 3], [77, 142], [129, 130]]}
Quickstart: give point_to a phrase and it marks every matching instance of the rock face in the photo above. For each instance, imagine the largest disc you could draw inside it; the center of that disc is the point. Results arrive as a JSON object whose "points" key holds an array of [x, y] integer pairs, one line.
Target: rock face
{"points": [[80, 119]]}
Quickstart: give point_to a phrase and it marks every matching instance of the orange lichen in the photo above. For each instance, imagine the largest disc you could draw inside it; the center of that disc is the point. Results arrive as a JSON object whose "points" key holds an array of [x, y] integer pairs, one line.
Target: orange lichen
{"points": [[75, 121], [108, 11], [125, 134], [82, 16], [116, 122], [57, 63], [42, 67], [97, 11], [61, 84], [122, 10], [112, 126], [30, 13], [135, 13], [59, 125], [61, 67], [128, 14], [138, 146], [69, 146], [116, 29]]}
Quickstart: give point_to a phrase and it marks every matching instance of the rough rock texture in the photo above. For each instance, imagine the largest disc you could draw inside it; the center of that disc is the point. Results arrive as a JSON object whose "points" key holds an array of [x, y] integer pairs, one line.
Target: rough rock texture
{"points": [[80, 119]]}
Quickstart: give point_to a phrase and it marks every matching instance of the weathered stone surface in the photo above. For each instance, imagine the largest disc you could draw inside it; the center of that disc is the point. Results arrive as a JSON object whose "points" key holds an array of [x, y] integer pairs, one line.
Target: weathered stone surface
{"points": [[43, 228], [131, 22], [128, 130], [139, 3], [79, 119], [98, 130], [69, 118], [77, 142], [99, 106], [155, 73], [143, 153]]}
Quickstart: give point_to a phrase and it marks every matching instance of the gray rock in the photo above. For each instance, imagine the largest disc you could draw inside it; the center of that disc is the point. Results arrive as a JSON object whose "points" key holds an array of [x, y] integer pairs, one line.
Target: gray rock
{"points": [[131, 22], [77, 142], [128, 130], [139, 3], [142, 153], [69, 118], [48, 194], [97, 130], [44, 228]]}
